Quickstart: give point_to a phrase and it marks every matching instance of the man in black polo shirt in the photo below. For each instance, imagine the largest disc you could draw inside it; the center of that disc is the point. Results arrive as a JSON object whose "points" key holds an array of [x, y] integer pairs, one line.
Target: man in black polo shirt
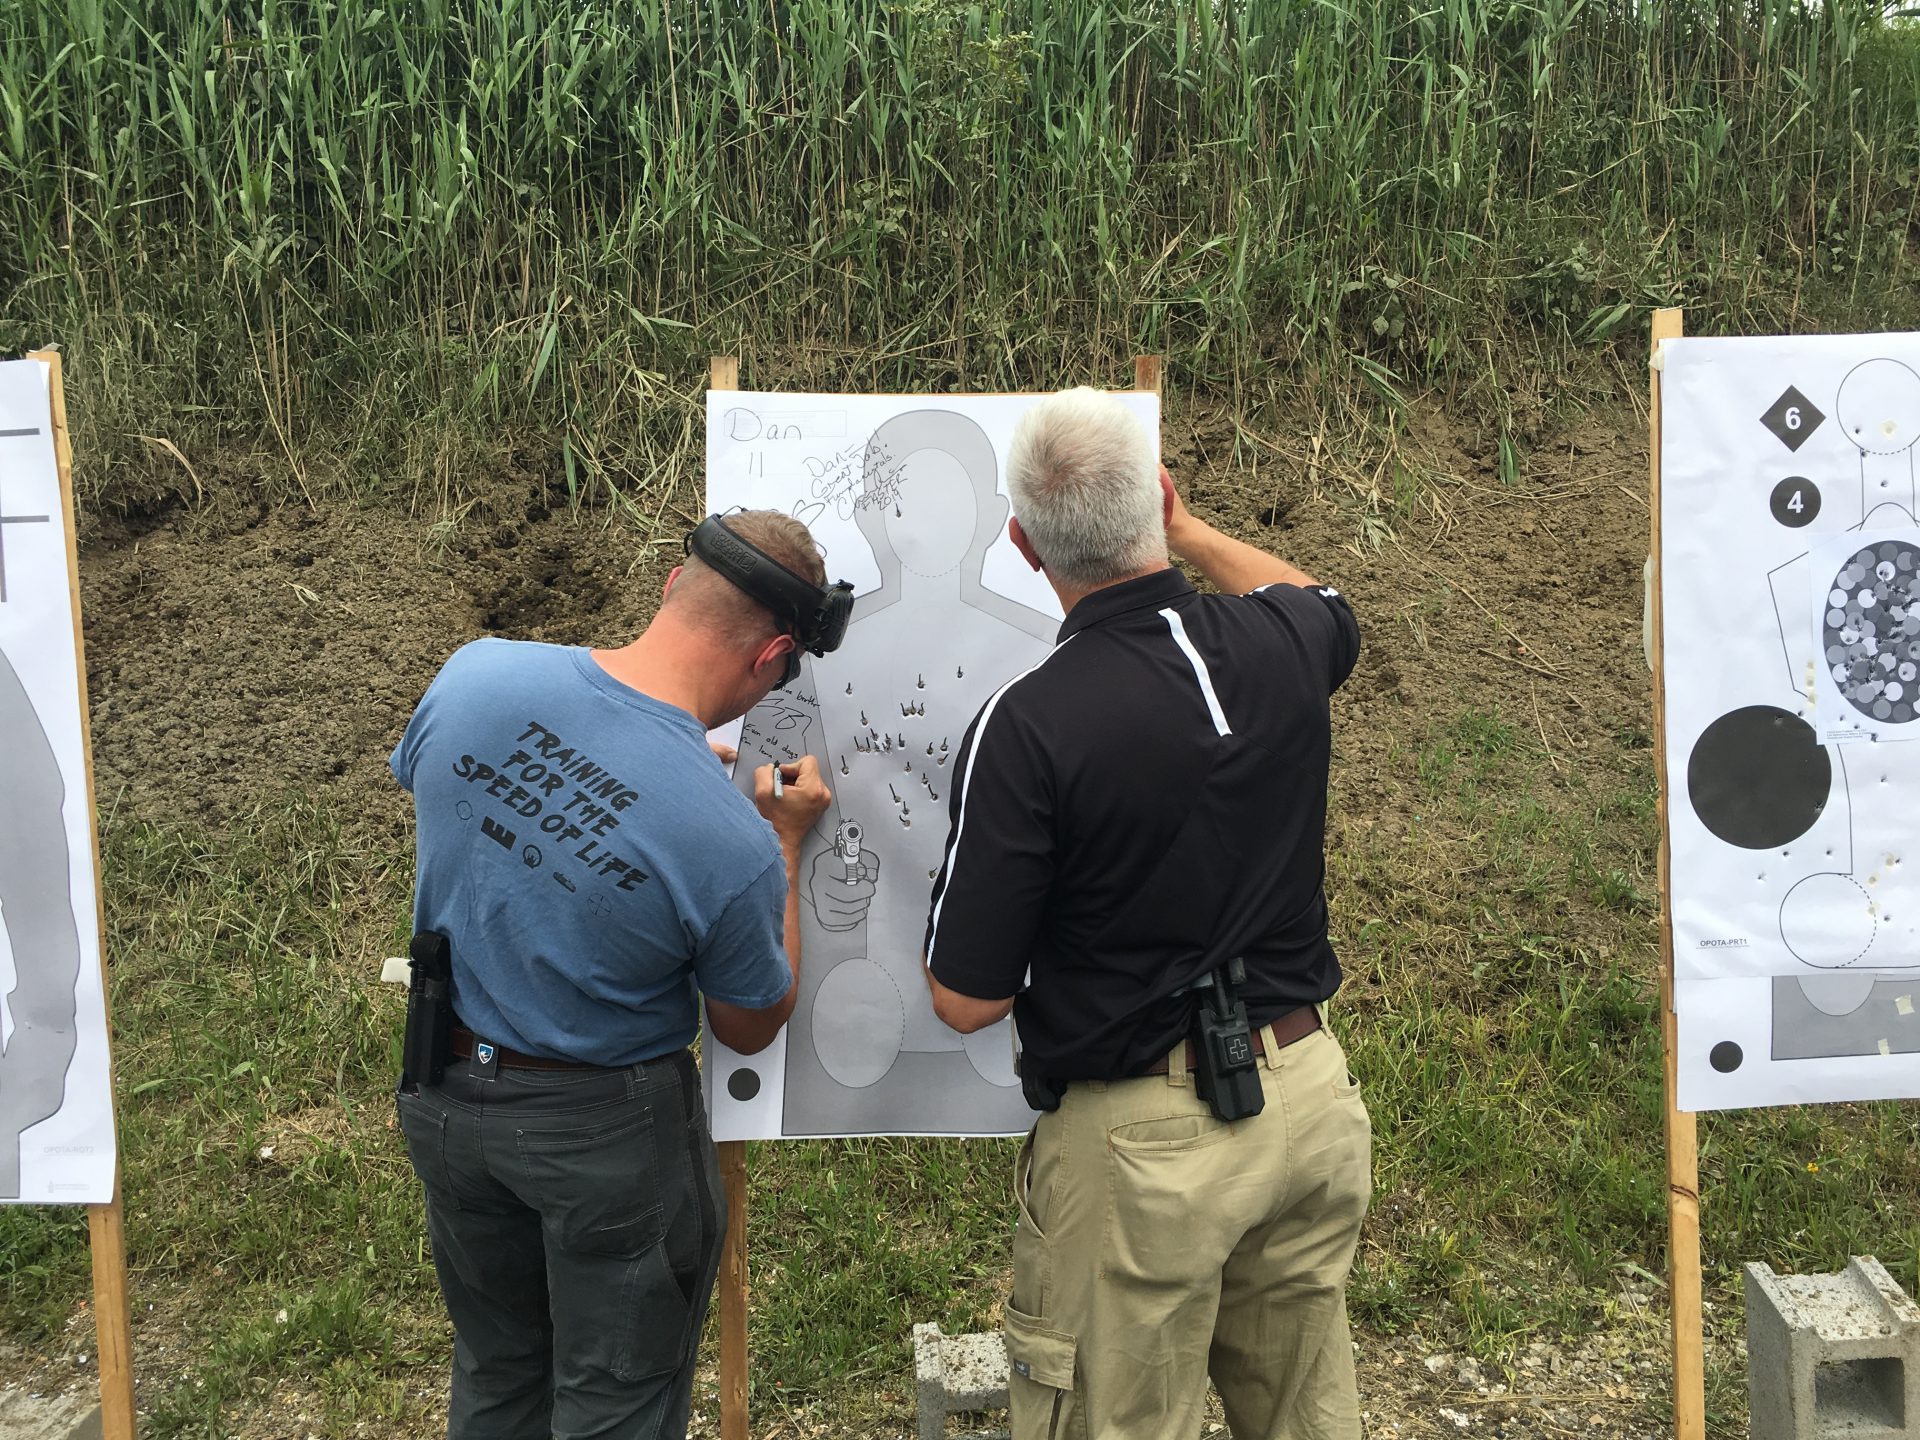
{"points": [[1143, 806]]}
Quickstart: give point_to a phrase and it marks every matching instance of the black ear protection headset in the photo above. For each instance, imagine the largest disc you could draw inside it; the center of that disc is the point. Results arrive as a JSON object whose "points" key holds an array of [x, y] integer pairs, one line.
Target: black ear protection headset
{"points": [[815, 615]]}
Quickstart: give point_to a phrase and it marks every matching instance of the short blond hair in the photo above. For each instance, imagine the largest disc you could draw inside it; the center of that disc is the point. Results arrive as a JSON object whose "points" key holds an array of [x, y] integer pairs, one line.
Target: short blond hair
{"points": [[716, 603]]}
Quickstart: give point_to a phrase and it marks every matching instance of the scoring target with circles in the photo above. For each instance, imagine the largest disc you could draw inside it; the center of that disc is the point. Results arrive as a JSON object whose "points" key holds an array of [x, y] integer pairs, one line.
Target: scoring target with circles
{"points": [[1871, 635]]}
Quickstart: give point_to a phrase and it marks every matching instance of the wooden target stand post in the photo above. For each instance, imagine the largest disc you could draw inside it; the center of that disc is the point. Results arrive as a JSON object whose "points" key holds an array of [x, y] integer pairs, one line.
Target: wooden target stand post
{"points": [[723, 373], [106, 1227], [1682, 1144]]}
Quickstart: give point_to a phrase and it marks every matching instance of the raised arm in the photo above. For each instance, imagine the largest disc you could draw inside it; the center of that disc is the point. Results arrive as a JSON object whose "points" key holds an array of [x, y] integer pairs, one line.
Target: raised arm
{"points": [[1233, 566]]}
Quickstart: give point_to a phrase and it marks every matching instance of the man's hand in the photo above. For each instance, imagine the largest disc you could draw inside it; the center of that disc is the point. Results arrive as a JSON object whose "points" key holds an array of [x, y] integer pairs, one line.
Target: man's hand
{"points": [[841, 894], [1180, 520], [1233, 566], [725, 754], [804, 798]]}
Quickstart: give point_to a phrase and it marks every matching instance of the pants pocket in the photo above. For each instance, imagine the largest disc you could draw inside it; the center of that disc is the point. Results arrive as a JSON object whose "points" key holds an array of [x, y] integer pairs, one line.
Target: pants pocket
{"points": [[1032, 1264], [620, 1309], [424, 1125], [1040, 1374], [652, 1335], [596, 1185]]}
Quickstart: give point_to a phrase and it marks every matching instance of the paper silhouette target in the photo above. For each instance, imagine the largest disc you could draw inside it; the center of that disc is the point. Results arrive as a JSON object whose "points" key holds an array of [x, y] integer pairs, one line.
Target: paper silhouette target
{"points": [[907, 497], [1791, 638], [42, 940], [56, 1123]]}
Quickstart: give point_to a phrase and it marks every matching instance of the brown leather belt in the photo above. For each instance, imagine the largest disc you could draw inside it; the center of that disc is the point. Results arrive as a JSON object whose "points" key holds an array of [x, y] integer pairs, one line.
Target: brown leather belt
{"points": [[464, 1040], [1292, 1026]]}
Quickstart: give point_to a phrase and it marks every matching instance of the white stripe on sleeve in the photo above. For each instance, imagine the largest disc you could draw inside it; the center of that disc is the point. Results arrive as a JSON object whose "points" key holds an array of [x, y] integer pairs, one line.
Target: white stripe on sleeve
{"points": [[1172, 617]]}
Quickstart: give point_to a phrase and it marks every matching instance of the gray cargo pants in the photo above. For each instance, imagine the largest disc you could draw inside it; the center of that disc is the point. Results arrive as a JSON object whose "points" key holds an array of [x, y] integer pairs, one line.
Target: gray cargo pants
{"points": [[576, 1220]]}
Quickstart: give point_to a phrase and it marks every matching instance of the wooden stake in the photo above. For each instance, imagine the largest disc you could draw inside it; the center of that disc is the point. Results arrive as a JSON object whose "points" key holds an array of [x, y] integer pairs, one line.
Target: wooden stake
{"points": [[106, 1224], [112, 1316], [1146, 373], [723, 373], [1683, 1153]]}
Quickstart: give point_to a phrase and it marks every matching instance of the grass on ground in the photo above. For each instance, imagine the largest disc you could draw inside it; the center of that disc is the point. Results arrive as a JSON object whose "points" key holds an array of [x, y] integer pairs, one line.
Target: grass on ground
{"points": [[1496, 927]]}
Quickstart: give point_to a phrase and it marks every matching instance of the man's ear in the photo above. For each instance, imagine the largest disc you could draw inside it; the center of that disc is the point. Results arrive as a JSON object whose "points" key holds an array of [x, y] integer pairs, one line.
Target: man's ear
{"points": [[672, 575], [1022, 543], [1168, 496], [774, 653]]}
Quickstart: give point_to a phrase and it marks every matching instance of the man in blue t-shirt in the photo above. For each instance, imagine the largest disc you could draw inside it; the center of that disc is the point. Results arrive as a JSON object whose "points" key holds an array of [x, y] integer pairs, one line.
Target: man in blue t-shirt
{"points": [[596, 873]]}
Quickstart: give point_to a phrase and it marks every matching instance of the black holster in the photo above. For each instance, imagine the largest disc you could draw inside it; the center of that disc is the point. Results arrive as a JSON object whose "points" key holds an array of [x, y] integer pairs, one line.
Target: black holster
{"points": [[428, 1041], [1226, 1074], [1042, 1094]]}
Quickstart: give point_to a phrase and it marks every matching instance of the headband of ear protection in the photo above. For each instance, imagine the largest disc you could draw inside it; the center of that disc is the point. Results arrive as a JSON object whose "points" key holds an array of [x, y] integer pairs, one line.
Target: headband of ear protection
{"points": [[817, 615]]}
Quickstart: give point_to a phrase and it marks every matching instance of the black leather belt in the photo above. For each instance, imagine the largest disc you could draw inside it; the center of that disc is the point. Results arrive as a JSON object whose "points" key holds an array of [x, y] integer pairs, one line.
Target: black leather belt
{"points": [[464, 1040]]}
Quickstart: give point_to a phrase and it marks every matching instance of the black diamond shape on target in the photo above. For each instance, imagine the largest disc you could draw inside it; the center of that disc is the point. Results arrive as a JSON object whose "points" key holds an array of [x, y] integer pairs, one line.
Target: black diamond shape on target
{"points": [[1792, 418]]}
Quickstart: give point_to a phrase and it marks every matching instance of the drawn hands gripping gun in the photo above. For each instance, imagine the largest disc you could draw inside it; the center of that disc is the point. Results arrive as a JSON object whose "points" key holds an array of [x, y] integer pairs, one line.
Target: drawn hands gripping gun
{"points": [[844, 879]]}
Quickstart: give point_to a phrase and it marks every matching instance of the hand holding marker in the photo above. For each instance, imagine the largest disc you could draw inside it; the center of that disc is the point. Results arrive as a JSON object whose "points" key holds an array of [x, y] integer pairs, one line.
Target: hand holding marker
{"points": [[791, 797]]}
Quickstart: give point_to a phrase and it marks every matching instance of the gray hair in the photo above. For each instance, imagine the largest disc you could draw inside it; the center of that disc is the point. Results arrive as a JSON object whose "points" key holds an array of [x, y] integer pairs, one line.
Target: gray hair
{"points": [[1086, 488]]}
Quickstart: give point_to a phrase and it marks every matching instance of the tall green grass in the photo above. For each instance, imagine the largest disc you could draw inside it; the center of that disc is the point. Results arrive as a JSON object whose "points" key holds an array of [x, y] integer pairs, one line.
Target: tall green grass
{"points": [[359, 237]]}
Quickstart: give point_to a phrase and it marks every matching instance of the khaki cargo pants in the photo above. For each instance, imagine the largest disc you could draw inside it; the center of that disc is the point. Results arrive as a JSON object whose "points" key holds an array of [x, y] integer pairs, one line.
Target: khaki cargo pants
{"points": [[1158, 1246]]}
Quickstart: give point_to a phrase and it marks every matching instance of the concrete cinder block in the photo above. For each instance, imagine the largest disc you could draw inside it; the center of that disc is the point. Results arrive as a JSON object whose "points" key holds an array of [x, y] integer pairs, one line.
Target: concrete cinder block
{"points": [[48, 1417], [957, 1372], [1832, 1357]]}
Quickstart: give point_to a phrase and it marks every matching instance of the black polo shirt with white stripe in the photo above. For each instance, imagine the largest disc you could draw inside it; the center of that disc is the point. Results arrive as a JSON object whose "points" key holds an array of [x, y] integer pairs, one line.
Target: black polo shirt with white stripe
{"points": [[1143, 805]]}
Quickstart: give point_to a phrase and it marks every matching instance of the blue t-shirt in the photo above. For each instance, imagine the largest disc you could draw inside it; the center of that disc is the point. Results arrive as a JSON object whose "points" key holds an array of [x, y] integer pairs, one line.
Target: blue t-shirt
{"points": [[586, 856]]}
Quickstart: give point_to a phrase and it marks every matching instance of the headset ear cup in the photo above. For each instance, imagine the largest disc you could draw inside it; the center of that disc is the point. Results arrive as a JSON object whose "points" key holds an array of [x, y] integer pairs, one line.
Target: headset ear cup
{"points": [[836, 612]]}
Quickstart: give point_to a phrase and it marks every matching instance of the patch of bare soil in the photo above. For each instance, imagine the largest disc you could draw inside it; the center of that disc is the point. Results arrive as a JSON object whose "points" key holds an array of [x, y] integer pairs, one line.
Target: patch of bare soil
{"points": [[234, 655], [1539, 580], [232, 658]]}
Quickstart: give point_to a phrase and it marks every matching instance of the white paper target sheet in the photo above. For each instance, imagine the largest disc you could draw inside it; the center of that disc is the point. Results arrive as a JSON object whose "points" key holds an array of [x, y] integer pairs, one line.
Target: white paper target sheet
{"points": [[906, 496], [56, 1108], [1790, 589]]}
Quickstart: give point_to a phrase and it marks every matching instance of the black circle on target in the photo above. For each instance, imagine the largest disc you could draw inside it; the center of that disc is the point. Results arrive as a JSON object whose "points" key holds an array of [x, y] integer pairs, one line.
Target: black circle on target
{"points": [[1758, 777]]}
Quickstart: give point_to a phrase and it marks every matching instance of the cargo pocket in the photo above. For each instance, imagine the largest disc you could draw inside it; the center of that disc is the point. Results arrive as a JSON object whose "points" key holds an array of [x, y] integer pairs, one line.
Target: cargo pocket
{"points": [[652, 1334], [1032, 1264], [1040, 1365]]}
